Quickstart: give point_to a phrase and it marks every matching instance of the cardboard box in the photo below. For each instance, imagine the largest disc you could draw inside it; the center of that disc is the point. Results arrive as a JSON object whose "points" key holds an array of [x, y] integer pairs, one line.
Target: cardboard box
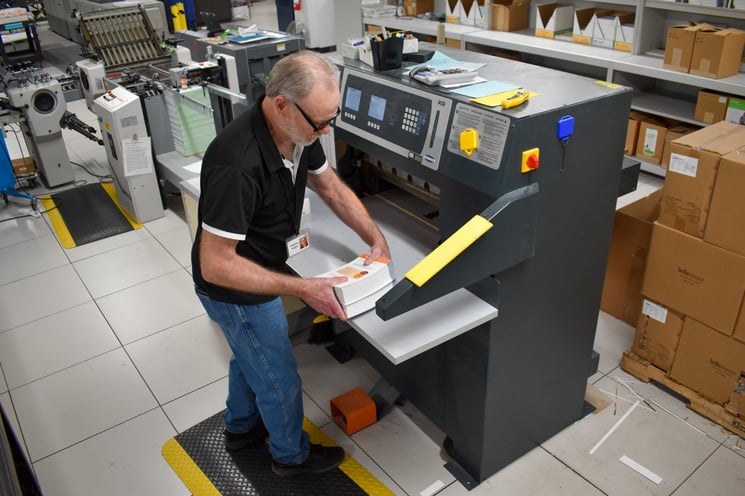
{"points": [[632, 132], [717, 52], [416, 7], [453, 11], [657, 334], [708, 362], [605, 28], [553, 19], [695, 278], [625, 27], [735, 111], [672, 134], [739, 332], [651, 141], [725, 226], [711, 107], [509, 15], [679, 46], [473, 13], [694, 162], [736, 403], [632, 231], [23, 166], [585, 21]]}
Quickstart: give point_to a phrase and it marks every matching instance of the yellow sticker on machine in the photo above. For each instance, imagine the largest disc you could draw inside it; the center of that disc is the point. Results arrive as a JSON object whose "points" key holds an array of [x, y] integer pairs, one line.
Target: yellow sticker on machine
{"points": [[447, 251], [608, 84]]}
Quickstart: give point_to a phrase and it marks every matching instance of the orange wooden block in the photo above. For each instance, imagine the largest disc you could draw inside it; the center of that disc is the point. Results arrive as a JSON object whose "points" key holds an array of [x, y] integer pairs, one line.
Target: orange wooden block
{"points": [[353, 410]]}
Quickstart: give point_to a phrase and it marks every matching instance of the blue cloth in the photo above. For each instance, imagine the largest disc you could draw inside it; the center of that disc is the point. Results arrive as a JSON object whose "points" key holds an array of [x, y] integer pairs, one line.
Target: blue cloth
{"points": [[262, 378]]}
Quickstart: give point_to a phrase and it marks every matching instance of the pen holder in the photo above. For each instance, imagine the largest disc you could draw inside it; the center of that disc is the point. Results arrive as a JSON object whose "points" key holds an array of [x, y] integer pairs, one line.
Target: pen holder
{"points": [[387, 53]]}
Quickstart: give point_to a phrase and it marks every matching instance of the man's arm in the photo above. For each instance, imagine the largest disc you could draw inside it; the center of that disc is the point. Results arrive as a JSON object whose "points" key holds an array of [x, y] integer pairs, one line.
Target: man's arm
{"points": [[345, 204], [222, 266]]}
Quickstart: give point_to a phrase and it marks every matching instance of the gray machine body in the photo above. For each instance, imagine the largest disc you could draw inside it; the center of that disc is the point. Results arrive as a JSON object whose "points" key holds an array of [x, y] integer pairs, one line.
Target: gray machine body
{"points": [[504, 387], [253, 60], [43, 105], [63, 20]]}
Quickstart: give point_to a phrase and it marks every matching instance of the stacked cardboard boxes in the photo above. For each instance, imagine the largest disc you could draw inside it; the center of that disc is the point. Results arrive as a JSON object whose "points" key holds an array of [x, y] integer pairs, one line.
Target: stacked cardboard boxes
{"points": [[692, 324], [469, 12], [648, 137], [632, 231], [704, 50]]}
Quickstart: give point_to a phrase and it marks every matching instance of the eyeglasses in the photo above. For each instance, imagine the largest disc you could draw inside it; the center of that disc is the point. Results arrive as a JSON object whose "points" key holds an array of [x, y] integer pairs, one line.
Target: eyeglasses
{"points": [[320, 126]]}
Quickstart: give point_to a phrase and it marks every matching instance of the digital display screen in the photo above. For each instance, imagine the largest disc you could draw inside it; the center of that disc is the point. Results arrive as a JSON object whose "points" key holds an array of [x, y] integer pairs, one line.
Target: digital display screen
{"points": [[377, 107], [352, 102]]}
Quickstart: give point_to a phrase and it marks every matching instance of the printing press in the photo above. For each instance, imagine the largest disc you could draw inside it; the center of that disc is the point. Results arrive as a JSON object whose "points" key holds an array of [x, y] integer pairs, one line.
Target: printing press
{"points": [[499, 253]]}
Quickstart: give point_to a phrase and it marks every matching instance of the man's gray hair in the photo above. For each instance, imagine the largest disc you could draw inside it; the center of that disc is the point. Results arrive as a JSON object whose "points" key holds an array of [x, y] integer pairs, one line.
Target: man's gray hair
{"points": [[297, 74]]}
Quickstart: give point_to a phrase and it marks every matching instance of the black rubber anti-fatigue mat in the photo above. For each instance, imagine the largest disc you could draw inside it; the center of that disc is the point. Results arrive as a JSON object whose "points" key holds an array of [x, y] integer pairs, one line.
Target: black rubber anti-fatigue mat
{"points": [[249, 472], [90, 214]]}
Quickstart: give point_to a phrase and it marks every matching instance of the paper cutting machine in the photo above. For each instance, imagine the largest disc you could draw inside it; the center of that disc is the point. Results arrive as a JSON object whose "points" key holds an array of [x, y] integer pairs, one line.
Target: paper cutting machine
{"points": [[526, 204]]}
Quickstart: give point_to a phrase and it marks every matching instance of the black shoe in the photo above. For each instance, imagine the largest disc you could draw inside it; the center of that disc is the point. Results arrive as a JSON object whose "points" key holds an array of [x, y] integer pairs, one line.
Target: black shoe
{"points": [[235, 441], [320, 459]]}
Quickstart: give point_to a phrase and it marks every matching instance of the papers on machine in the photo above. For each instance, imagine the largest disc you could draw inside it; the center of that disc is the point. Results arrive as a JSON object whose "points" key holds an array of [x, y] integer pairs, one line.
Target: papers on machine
{"points": [[252, 34], [365, 284]]}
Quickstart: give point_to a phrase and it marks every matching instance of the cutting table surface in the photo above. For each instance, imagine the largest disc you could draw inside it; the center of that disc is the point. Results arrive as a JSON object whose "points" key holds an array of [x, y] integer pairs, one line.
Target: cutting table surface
{"points": [[416, 331]]}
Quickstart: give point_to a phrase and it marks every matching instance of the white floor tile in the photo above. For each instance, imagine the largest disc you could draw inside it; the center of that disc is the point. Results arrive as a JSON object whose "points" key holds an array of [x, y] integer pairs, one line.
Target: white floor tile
{"points": [[178, 244], [10, 414], [3, 382], [537, 473], [82, 150], [107, 244], [324, 378], [124, 267], [81, 401], [168, 222], [352, 449], [123, 461], [663, 401], [151, 306], [315, 413], [181, 359], [30, 257], [53, 343], [404, 452], [647, 184], [192, 408], [736, 444], [19, 230], [612, 338], [723, 474], [671, 450], [40, 295]]}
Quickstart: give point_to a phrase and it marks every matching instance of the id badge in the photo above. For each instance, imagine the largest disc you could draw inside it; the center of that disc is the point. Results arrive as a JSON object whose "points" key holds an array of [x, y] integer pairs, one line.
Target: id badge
{"points": [[298, 243]]}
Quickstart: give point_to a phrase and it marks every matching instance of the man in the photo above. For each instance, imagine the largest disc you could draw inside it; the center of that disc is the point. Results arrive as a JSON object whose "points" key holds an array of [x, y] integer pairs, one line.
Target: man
{"points": [[252, 187]]}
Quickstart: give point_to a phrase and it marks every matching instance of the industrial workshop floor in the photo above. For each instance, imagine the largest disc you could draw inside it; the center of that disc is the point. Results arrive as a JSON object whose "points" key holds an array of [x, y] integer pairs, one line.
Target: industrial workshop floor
{"points": [[105, 354]]}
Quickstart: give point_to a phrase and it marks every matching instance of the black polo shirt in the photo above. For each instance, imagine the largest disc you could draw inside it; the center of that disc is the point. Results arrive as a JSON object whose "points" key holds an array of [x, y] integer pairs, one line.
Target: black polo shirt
{"points": [[247, 194]]}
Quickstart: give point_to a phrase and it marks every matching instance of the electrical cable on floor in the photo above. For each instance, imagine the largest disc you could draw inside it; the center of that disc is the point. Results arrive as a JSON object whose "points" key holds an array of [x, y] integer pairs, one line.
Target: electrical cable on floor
{"points": [[45, 197], [107, 176]]}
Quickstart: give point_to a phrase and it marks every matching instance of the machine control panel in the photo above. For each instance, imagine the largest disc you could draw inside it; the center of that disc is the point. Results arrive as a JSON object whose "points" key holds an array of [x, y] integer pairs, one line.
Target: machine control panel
{"points": [[407, 121]]}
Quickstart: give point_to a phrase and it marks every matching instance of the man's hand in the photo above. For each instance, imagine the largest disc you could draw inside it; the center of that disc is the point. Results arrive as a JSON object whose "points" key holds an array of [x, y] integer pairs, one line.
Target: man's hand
{"points": [[378, 250], [319, 295]]}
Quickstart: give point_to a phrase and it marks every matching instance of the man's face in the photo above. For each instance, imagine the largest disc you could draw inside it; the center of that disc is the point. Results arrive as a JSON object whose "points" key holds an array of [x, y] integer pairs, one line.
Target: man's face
{"points": [[312, 116]]}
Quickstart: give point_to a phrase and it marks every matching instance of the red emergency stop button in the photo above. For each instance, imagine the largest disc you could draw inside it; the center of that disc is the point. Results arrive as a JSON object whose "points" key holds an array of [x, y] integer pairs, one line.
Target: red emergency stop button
{"points": [[530, 160]]}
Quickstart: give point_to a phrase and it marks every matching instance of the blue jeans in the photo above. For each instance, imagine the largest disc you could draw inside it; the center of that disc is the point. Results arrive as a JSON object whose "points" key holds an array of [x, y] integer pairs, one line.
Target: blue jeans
{"points": [[262, 377]]}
